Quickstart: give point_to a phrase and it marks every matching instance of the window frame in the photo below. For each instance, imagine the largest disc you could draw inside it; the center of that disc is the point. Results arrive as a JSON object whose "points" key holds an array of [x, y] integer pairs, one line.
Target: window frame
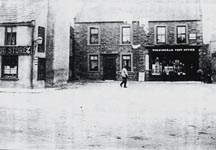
{"points": [[122, 34], [89, 62], [7, 43], [157, 35], [131, 61], [3, 75], [89, 35], [177, 34]]}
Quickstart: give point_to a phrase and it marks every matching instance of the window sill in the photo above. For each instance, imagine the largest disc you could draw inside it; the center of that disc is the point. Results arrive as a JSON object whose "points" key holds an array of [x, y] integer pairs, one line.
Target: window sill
{"points": [[93, 71], [8, 79], [94, 44], [125, 44]]}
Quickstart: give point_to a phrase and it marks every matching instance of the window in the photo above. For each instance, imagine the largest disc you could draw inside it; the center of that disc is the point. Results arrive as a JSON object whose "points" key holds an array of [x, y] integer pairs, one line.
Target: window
{"points": [[126, 35], [94, 35], [181, 34], [126, 61], [93, 66], [10, 67], [41, 68], [41, 33], [10, 36], [161, 35]]}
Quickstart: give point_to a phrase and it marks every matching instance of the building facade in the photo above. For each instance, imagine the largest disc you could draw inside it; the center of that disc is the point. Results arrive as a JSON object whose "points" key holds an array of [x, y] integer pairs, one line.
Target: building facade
{"points": [[101, 49], [24, 62], [174, 49]]}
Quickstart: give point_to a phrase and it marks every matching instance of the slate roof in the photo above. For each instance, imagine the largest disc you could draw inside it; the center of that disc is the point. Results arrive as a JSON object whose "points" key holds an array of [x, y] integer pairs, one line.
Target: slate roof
{"points": [[20, 10], [146, 10]]}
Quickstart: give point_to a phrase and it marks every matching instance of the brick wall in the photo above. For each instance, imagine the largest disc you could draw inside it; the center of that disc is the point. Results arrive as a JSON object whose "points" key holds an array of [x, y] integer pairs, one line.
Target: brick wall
{"points": [[109, 44]]}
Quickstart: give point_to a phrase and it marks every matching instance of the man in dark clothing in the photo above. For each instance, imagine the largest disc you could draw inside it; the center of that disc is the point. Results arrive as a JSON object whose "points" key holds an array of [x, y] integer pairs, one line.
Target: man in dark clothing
{"points": [[124, 75]]}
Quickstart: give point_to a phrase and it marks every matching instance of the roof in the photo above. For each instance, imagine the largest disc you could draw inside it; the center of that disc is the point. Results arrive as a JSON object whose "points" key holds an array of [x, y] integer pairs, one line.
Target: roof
{"points": [[143, 10], [20, 10]]}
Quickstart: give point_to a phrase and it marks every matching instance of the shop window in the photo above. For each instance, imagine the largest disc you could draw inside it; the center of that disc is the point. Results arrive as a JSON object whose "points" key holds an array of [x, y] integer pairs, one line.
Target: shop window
{"points": [[161, 35], [41, 33], [10, 36], [157, 67], [10, 67], [41, 68], [93, 60], [94, 35], [181, 34], [126, 61], [126, 35]]}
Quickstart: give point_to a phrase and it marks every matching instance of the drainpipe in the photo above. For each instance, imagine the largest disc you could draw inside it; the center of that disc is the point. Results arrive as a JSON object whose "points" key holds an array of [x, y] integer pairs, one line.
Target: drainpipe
{"points": [[32, 56]]}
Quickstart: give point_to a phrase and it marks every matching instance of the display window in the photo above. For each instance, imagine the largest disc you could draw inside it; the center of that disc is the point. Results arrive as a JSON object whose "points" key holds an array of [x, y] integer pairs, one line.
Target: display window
{"points": [[9, 67]]}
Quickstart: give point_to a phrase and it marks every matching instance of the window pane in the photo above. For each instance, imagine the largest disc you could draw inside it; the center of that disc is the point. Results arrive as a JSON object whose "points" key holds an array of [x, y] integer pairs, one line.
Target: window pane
{"points": [[181, 30], [181, 34], [94, 39], [94, 35], [126, 35], [161, 39], [161, 30], [10, 66], [10, 37], [161, 34], [93, 63], [94, 30], [126, 61]]}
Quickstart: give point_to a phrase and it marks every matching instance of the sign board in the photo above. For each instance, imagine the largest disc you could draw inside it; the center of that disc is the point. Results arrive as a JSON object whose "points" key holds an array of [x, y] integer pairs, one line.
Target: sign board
{"points": [[15, 50], [173, 50], [141, 76]]}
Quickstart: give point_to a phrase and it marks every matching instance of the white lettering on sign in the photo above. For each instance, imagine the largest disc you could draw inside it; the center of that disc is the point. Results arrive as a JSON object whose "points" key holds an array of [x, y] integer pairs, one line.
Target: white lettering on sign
{"points": [[174, 50], [15, 50]]}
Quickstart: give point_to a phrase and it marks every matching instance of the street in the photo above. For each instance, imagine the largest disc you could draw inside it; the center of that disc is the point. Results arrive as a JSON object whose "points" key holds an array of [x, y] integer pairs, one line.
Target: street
{"points": [[102, 115]]}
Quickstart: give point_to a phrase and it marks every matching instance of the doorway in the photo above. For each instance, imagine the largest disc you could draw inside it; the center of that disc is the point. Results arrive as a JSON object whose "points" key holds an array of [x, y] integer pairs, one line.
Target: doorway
{"points": [[109, 67]]}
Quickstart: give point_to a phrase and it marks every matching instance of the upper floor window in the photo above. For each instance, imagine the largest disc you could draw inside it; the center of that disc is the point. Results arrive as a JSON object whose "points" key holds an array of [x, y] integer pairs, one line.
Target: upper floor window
{"points": [[181, 34], [94, 35], [10, 36], [126, 35], [41, 33], [161, 35], [126, 62]]}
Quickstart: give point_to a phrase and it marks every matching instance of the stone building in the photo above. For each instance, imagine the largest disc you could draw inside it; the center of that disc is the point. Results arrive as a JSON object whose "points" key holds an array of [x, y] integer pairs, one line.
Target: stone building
{"points": [[102, 48], [174, 49], [24, 62]]}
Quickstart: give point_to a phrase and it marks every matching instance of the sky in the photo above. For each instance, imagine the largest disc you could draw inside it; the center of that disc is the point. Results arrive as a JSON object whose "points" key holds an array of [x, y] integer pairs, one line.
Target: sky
{"points": [[142, 9]]}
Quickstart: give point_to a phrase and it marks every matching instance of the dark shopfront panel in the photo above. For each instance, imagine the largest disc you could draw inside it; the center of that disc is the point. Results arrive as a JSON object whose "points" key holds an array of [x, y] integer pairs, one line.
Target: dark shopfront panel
{"points": [[174, 64]]}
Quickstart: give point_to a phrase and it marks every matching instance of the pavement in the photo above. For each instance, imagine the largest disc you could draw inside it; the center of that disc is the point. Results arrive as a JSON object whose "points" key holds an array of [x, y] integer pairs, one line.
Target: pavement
{"points": [[102, 115]]}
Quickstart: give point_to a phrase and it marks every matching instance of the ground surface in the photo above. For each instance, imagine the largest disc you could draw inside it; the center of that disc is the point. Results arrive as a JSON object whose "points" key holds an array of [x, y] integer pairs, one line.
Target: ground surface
{"points": [[102, 115]]}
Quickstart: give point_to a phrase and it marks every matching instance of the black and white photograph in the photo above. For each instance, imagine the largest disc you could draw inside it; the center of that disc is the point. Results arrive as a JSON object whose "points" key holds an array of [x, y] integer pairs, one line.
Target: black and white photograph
{"points": [[107, 75]]}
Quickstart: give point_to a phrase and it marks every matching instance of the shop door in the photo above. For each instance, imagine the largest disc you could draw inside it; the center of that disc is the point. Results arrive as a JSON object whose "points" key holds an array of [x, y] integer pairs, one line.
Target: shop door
{"points": [[109, 67]]}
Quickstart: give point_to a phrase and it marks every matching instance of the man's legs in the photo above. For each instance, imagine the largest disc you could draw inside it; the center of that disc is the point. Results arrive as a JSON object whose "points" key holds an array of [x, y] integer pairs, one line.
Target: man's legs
{"points": [[122, 82], [125, 82]]}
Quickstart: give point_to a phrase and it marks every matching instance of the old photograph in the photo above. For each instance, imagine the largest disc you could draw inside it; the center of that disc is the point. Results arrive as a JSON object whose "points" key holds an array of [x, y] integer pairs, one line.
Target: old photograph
{"points": [[107, 75]]}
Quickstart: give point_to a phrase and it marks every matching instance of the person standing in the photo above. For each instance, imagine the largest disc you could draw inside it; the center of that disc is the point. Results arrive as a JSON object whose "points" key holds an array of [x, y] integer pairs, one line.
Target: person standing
{"points": [[124, 75]]}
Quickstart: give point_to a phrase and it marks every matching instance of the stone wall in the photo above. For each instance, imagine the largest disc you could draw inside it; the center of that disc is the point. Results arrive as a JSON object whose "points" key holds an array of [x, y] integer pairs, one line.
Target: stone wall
{"points": [[192, 26], [109, 44]]}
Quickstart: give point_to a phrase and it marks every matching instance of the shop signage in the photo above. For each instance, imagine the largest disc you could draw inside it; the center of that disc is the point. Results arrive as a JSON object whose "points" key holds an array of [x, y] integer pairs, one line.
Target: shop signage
{"points": [[174, 50], [15, 50]]}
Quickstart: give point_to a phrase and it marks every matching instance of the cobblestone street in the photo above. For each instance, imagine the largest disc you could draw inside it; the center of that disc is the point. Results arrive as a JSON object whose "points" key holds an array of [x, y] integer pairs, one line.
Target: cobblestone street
{"points": [[102, 115]]}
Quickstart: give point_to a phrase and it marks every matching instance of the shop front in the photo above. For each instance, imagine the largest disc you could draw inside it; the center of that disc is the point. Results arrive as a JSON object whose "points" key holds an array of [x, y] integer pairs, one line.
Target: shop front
{"points": [[15, 66], [173, 63]]}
